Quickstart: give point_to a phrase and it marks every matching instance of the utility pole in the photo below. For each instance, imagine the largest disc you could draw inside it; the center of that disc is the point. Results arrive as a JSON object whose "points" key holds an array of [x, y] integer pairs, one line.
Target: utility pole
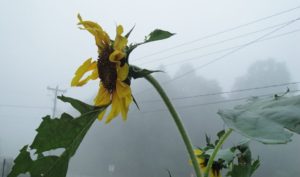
{"points": [[3, 167], [56, 91]]}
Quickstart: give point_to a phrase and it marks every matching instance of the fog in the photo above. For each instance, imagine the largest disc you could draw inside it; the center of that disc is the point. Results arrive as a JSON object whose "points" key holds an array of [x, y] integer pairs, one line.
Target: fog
{"points": [[41, 46], [149, 143]]}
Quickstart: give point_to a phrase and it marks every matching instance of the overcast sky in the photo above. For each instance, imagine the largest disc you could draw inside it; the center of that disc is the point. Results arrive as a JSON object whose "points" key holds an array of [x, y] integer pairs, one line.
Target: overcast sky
{"points": [[41, 45]]}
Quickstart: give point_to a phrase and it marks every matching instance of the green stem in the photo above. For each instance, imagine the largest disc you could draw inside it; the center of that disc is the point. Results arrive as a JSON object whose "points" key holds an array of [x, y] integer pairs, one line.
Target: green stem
{"points": [[217, 148], [178, 123]]}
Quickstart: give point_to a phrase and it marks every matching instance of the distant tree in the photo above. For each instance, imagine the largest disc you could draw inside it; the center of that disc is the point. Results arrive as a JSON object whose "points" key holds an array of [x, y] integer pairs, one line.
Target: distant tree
{"points": [[262, 73], [277, 161], [148, 143]]}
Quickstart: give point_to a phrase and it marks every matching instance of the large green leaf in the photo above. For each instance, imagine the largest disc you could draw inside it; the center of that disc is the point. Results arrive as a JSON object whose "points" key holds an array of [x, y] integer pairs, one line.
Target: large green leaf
{"points": [[65, 132], [270, 120], [158, 34], [223, 154]]}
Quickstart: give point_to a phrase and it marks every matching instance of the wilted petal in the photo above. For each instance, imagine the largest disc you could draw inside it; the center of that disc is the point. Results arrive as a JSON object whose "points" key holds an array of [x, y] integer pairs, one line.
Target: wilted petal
{"points": [[116, 56], [101, 37], [100, 116], [115, 108], [122, 72], [87, 66], [120, 41], [122, 89], [103, 97]]}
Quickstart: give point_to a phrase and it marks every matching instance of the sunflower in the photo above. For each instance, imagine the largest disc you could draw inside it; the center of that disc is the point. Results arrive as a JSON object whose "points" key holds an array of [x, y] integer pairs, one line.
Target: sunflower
{"points": [[111, 68], [215, 169]]}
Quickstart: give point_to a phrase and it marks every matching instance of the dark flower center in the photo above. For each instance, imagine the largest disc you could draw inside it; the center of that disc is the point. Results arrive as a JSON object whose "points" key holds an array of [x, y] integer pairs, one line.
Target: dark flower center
{"points": [[107, 71], [216, 167]]}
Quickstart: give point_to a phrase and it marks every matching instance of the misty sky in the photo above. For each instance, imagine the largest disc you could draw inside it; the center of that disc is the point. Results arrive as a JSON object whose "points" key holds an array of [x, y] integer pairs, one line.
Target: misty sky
{"points": [[41, 45]]}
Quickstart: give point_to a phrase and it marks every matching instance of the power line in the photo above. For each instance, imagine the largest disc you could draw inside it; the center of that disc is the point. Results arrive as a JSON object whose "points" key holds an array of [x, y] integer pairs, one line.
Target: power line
{"points": [[228, 53], [23, 106], [220, 32], [225, 92], [212, 103], [233, 51], [230, 48], [214, 43]]}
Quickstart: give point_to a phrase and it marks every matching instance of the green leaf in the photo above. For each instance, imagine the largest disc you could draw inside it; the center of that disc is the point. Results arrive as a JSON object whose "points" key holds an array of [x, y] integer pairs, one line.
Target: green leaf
{"points": [[207, 139], [65, 132], [78, 105], [223, 154], [220, 133], [240, 171], [270, 121], [136, 72], [23, 163], [255, 166], [155, 35], [158, 34], [53, 166], [245, 167]]}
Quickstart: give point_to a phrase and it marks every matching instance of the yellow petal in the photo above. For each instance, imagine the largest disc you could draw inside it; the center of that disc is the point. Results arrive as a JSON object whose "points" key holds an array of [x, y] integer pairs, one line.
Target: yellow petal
{"points": [[101, 37], [94, 74], [124, 93], [128, 100], [122, 89], [116, 56], [100, 116], [197, 152], [119, 30], [88, 65], [120, 41], [103, 97], [122, 72], [115, 108], [123, 109]]}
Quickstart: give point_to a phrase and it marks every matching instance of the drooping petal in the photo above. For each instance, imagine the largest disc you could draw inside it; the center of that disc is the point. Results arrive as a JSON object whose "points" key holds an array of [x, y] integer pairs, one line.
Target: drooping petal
{"points": [[120, 30], [122, 89], [124, 93], [87, 66], [128, 100], [115, 108], [116, 56], [122, 72], [123, 108], [100, 116], [120, 41], [103, 96], [101, 37], [94, 74]]}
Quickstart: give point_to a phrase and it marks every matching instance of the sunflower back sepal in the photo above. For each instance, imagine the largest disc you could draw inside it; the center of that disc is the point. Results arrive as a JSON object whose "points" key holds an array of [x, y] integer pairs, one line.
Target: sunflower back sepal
{"points": [[129, 32], [136, 72]]}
